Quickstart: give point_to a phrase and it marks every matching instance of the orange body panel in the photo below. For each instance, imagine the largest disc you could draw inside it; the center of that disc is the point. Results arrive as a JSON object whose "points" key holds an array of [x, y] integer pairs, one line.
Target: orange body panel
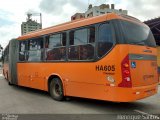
{"points": [[83, 80]]}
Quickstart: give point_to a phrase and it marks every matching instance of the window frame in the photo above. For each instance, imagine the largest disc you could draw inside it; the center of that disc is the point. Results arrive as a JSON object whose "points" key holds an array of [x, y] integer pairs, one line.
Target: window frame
{"points": [[47, 48], [27, 49], [41, 49]]}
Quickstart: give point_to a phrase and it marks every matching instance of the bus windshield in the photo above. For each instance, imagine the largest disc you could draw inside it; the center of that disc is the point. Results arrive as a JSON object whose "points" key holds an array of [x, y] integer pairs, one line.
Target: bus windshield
{"points": [[137, 34]]}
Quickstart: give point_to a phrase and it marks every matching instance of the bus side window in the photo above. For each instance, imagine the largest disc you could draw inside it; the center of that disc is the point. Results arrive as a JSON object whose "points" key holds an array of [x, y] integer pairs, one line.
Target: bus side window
{"points": [[35, 52], [64, 38], [81, 44], [92, 34], [56, 47], [22, 50], [47, 42], [86, 52], [105, 41], [71, 37]]}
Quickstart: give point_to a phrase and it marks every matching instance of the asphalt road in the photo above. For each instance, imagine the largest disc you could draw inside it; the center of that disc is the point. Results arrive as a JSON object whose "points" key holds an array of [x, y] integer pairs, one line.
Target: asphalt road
{"points": [[20, 100]]}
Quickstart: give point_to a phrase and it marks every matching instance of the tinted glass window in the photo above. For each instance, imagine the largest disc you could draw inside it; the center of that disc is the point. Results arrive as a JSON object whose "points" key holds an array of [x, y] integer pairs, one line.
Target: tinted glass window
{"points": [[91, 34], [55, 41], [137, 34], [23, 45], [80, 36], [105, 40], [33, 45], [22, 51], [64, 38], [82, 44], [22, 56], [34, 55], [35, 51], [81, 52], [55, 47], [71, 37], [40, 44], [56, 54], [74, 53]]}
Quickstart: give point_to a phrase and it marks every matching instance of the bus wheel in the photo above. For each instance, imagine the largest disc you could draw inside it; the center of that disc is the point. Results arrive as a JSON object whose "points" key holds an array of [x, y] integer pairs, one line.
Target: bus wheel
{"points": [[56, 89], [9, 83]]}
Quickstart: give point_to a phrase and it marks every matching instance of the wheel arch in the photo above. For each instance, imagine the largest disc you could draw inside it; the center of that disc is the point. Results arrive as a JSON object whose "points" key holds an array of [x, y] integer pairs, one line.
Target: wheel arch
{"points": [[51, 77]]}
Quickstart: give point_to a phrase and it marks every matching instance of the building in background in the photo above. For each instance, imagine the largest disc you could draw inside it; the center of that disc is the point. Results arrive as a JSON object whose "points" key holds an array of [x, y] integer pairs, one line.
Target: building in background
{"points": [[103, 9], [78, 16], [30, 25], [99, 10]]}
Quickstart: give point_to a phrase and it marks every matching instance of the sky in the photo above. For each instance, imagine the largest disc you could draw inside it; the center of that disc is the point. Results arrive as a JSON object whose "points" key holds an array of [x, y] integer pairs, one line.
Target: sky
{"points": [[13, 13]]}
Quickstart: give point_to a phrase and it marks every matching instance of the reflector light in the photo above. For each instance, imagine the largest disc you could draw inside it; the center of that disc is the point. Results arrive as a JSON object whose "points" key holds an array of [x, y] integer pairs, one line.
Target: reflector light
{"points": [[126, 72]]}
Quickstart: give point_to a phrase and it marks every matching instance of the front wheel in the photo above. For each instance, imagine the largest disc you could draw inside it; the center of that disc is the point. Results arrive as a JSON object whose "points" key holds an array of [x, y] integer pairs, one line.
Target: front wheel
{"points": [[56, 89]]}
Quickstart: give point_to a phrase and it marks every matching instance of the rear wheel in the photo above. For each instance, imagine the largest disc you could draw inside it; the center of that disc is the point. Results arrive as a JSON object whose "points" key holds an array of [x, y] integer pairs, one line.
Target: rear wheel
{"points": [[56, 89], [9, 83]]}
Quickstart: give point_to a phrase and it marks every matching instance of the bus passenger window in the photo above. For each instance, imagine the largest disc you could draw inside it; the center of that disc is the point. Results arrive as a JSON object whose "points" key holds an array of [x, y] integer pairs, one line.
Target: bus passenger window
{"points": [[23, 46], [56, 49], [81, 37], [74, 53], [35, 52], [22, 50], [71, 38], [22, 56], [92, 35], [86, 52], [56, 54], [47, 42], [82, 44], [55, 41], [33, 44], [105, 41], [34, 55], [40, 44], [64, 38]]}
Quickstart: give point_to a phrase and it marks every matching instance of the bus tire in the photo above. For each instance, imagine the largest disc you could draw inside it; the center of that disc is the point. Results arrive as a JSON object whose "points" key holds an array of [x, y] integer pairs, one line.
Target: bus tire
{"points": [[56, 89], [9, 83]]}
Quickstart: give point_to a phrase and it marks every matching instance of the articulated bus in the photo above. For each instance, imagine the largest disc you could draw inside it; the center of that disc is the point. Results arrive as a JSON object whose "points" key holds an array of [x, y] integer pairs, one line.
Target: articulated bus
{"points": [[109, 57]]}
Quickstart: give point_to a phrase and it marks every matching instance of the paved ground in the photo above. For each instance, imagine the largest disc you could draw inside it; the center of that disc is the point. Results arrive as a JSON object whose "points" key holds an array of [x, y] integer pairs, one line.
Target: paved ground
{"points": [[19, 100]]}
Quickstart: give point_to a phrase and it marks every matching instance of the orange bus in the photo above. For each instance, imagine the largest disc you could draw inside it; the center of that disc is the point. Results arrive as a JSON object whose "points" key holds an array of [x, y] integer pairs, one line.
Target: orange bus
{"points": [[109, 57]]}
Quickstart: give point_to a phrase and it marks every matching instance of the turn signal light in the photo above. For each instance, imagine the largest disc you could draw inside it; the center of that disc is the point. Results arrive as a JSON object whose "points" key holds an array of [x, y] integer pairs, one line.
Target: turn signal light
{"points": [[126, 65]]}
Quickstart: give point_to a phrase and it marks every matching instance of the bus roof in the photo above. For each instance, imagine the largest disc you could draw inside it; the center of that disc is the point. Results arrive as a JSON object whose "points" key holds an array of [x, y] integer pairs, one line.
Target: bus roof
{"points": [[72, 24]]}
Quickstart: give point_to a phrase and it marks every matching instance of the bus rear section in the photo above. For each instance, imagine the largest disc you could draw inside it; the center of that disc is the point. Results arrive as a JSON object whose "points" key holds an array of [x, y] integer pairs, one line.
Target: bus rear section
{"points": [[139, 62]]}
